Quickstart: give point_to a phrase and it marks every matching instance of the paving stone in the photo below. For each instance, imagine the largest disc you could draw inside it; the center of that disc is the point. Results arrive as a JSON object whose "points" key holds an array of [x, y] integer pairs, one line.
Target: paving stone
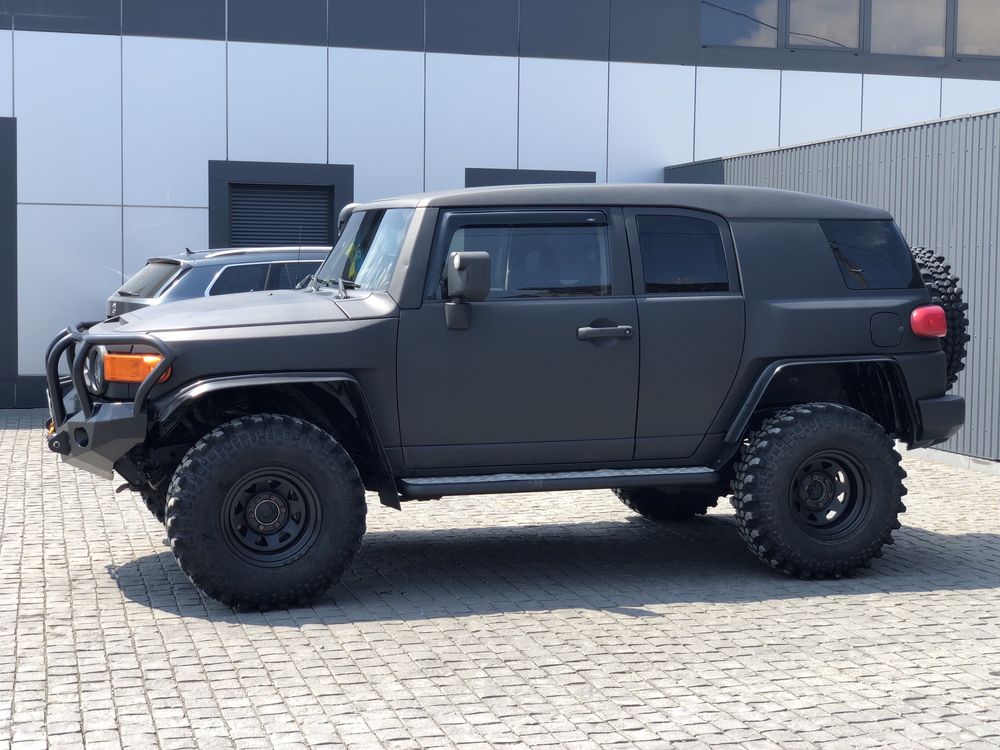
{"points": [[545, 620]]}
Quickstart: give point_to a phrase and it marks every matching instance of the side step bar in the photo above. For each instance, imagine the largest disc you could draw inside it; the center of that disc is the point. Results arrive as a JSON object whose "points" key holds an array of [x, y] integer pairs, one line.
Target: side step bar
{"points": [[486, 484]]}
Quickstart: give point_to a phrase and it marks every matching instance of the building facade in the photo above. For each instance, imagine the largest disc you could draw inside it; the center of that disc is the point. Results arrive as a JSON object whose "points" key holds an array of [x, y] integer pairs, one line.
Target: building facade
{"points": [[130, 128]]}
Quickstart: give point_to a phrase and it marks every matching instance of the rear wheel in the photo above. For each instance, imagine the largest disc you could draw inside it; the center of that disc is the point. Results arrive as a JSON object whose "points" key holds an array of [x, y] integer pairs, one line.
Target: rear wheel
{"points": [[818, 490], [945, 291], [265, 512], [664, 505]]}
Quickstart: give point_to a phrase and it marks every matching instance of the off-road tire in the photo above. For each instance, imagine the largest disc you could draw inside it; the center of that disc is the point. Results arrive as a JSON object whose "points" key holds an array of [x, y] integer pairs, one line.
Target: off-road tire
{"points": [[205, 496], [945, 291], [155, 501], [769, 511], [662, 505]]}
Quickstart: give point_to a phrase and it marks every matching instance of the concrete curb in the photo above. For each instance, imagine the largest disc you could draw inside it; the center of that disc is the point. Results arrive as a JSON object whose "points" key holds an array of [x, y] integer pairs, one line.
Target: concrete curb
{"points": [[956, 459]]}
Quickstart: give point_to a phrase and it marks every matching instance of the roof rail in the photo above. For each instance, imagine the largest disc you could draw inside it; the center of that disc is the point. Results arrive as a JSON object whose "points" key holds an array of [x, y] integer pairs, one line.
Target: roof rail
{"points": [[250, 250]]}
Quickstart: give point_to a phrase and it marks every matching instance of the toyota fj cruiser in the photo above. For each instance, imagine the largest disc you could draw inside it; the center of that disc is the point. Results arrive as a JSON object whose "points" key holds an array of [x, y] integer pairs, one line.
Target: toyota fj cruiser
{"points": [[674, 343]]}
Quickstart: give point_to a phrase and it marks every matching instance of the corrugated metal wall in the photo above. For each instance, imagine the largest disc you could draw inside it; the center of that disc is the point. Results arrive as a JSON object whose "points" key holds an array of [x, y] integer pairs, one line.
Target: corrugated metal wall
{"points": [[941, 181]]}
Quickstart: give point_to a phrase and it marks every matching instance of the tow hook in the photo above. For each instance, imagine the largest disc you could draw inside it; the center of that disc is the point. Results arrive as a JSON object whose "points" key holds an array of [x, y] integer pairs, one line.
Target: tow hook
{"points": [[59, 443]]}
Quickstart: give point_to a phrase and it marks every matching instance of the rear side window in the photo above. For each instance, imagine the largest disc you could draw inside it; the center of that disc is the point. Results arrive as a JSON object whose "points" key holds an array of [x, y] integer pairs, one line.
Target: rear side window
{"points": [[150, 280], [682, 254], [288, 275], [541, 261], [249, 277], [872, 255]]}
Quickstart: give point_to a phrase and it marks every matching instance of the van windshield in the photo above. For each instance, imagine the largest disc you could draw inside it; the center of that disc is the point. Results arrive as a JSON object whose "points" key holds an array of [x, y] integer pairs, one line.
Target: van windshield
{"points": [[366, 253]]}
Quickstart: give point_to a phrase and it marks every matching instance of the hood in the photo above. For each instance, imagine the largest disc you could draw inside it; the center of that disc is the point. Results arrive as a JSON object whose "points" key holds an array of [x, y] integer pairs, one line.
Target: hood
{"points": [[234, 310]]}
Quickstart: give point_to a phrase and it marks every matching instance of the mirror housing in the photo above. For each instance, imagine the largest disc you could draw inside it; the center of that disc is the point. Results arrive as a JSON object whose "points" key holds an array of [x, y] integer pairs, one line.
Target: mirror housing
{"points": [[468, 276]]}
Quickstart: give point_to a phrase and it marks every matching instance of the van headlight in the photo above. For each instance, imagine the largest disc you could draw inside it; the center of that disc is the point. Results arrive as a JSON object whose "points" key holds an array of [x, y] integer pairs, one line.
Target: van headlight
{"points": [[93, 371]]}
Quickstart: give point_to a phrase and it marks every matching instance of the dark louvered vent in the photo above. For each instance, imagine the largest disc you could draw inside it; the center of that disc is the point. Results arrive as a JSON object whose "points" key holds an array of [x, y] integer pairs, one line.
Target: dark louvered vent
{"points": [[262, 215]]}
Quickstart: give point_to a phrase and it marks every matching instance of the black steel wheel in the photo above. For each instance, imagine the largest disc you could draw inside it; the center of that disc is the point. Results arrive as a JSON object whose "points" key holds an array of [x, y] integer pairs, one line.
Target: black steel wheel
{"points": [[155, 500], [818, 490], [273, 515], [829, 494], [265, 512]]}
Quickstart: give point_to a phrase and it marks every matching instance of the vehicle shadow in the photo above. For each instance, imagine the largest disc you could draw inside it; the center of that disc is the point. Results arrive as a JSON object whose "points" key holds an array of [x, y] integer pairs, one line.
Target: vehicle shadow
{"points": [[622, 566]]}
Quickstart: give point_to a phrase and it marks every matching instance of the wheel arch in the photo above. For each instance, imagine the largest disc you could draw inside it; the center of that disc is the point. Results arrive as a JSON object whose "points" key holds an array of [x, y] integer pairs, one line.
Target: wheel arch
{"points": [[333, 401], [874, 385]]}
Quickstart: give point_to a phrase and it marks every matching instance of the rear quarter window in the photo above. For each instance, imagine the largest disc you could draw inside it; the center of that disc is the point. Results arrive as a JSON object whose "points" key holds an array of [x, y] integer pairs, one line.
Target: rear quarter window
{"points": [[872, 254], [150, 280]]}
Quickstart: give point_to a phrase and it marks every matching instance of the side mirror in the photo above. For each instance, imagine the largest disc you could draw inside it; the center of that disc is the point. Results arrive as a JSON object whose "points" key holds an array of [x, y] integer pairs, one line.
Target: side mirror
{"points": [[469, 276]]}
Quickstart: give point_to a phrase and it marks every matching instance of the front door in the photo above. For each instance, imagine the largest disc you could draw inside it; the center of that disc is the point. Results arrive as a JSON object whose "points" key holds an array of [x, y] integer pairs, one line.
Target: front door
{"points": [[547, 372]]}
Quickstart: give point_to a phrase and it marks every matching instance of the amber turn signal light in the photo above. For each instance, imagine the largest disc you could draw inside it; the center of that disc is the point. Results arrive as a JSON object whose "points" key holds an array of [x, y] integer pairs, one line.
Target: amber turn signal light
{"points": [[132, 368]]}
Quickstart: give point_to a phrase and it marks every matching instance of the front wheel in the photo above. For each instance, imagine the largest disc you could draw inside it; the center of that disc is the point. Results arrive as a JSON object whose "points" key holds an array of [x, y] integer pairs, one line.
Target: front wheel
{"points": [[818, 490], [155, 500], [265, 512]]}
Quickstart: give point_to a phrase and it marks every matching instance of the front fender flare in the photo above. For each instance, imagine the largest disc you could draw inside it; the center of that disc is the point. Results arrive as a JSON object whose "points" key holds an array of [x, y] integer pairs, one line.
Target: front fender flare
{"points": [[170, 409]]}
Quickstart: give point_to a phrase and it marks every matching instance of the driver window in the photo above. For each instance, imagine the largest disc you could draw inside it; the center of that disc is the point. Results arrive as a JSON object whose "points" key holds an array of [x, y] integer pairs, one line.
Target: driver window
{"points": [[541, 261]]}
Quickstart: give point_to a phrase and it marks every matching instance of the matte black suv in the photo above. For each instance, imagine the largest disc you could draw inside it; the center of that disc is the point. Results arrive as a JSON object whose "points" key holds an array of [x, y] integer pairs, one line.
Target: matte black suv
{"points": [[210, 273], [673, 343]]}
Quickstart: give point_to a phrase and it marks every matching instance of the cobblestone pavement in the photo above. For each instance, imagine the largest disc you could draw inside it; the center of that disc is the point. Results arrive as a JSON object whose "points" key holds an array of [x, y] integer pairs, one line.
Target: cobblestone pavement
{"points": [[522, 621]]}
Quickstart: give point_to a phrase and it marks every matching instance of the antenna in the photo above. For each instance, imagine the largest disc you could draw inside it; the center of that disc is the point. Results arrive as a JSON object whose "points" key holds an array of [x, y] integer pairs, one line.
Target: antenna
{"points": [[298, 254]]}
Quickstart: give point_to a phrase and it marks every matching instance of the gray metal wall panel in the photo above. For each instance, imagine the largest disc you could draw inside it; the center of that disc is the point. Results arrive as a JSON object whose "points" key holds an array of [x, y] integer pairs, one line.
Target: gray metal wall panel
{"points": [[364, 24], [278, 21], [487, 177], [471, 27], [570, 29], [188, 19], [941, 181], [8, 259]]}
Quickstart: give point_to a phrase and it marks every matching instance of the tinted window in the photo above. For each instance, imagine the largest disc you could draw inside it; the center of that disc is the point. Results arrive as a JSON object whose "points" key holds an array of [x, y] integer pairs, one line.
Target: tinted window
{"points": [[872, 255], [681, 254], [149, 281], [288, 275], [824, 23], [740, 23], [235, 279], [541, 261], [909, 27], [978, 27]]}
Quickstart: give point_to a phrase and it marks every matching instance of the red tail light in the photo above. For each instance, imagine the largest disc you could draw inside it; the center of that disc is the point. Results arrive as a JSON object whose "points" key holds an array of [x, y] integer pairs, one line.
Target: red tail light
{"points": [[929, 322]]}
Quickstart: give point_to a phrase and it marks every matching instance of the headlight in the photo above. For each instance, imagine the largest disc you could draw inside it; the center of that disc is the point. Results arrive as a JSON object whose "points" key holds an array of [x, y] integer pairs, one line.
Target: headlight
{"points": [[93, 371]]}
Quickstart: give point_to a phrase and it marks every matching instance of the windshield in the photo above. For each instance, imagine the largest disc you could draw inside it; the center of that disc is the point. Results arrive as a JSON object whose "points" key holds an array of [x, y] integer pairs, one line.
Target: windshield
{"points": [[149, 281], [368, 249]]}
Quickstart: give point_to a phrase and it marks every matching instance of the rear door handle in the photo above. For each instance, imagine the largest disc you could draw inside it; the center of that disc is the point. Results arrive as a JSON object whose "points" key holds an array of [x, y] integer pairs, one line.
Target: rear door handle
{"points": [[587, 333]]}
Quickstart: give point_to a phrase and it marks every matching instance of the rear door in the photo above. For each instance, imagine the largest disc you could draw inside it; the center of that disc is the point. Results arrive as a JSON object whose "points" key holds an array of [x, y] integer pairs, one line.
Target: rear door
{"points": [[547, 372], [692, 317]]}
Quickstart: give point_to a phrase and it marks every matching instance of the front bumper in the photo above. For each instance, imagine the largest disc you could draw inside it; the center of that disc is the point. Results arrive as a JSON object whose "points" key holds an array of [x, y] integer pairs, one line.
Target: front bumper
{"points": [[940, 418], [96, 442], [88, 434]]}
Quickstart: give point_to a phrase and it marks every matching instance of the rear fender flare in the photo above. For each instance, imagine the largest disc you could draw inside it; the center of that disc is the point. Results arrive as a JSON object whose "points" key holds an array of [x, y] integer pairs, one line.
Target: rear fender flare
{"points": [[890, 368]]}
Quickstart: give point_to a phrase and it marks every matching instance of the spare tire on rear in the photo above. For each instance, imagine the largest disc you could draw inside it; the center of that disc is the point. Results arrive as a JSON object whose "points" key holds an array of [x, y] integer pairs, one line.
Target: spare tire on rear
{"points": [[945, 291]]}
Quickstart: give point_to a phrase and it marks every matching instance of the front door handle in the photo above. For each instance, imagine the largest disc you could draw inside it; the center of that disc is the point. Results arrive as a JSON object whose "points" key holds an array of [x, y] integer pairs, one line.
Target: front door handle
{"points": [[588, 333]]}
